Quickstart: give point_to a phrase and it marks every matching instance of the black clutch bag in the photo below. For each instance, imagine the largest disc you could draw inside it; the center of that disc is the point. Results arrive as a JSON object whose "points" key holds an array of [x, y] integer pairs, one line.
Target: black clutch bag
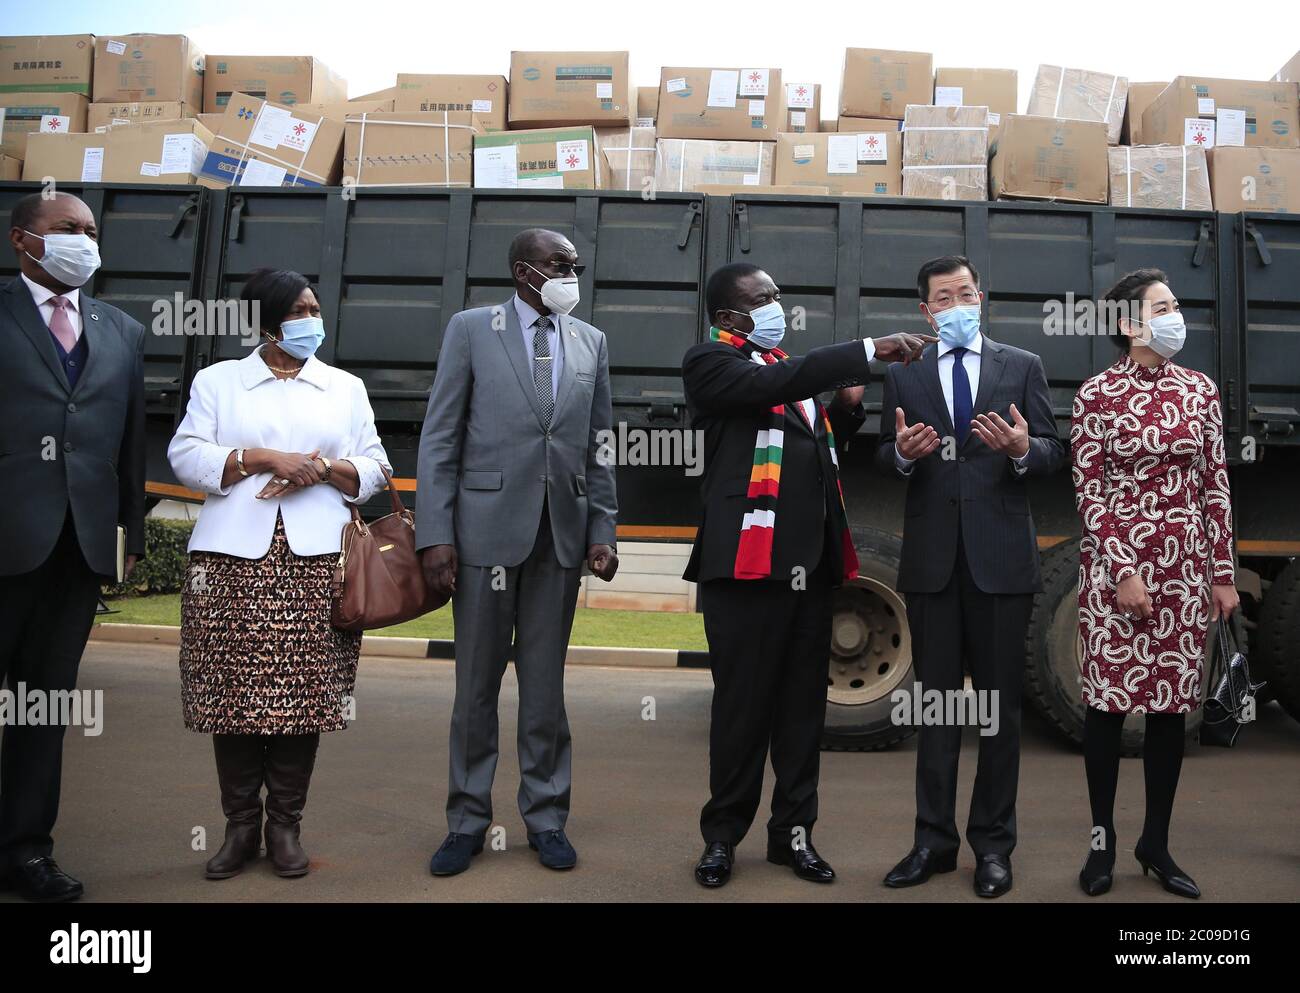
{"points": [[1233, 701]]}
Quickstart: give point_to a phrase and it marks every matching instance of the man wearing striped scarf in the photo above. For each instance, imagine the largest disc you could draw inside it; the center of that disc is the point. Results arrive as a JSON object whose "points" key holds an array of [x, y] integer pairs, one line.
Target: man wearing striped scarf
{"points": [[773, 543]]}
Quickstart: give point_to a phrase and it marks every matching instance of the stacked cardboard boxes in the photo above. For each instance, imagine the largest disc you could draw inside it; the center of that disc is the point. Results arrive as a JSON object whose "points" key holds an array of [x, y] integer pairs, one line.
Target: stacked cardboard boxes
{"points": [[995, 89], [562, 89], [945, 152], [1080, 95], [864, 164], [262, 143], [724, 104]]}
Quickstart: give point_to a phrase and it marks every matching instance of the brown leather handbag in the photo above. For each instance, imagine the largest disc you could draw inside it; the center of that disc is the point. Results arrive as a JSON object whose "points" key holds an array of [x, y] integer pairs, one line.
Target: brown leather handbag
{"points": [[378, 580]]}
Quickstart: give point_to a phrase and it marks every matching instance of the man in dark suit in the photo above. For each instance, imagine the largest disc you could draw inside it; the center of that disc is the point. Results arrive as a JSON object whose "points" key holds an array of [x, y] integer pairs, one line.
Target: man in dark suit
{"points": [[773, 543], [72, 450], [965, 426]]}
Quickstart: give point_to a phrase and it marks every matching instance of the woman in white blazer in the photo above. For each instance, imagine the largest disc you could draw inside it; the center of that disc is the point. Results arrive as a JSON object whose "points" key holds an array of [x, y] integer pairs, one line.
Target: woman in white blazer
{"points": [[281, 443]]}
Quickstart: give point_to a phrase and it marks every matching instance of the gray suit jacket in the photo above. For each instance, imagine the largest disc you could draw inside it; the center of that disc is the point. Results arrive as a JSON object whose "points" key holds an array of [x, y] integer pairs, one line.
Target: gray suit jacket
{"points": [[61, 446], [486, 463], [979, 490]]}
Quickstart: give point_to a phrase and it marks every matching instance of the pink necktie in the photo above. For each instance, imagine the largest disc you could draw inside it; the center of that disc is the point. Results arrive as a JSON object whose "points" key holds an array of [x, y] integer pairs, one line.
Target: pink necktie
{"points": [[60, 326]]}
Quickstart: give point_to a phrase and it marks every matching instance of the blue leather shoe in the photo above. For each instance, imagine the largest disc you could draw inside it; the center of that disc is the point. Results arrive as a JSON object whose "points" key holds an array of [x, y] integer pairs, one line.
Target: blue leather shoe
{"points": [[454, 855], [553, 849]]}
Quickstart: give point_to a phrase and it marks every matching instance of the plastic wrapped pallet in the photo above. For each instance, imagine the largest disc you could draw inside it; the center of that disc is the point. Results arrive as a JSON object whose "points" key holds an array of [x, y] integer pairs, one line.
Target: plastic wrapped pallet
{"points": [[625, 158], [1080, 95], [1166, 177], [685, 163], [945, 152]]}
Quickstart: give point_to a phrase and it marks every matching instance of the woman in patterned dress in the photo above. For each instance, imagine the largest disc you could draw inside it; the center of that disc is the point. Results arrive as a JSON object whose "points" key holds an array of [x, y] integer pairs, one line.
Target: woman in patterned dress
{"points": [[280, 442], [1155, 561]]}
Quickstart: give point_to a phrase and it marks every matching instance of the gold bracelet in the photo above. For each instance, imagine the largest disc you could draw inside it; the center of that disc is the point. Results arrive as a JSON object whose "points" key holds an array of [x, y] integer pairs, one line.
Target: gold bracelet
{"points": [[239, 461]]}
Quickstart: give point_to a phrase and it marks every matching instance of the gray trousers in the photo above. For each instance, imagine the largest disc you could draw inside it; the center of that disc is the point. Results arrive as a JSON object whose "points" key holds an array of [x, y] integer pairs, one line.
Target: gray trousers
{"points": [[535, 602]]}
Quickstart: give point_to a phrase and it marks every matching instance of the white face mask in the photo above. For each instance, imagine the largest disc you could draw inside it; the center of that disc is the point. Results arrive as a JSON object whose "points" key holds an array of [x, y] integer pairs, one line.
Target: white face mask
{"points": [[1168, 332], [70, 258], [559, 295]]}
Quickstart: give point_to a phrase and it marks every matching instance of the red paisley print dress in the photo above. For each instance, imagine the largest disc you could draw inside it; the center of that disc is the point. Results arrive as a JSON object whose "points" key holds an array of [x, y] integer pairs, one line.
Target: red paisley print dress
{"points": [[1151, 487]]}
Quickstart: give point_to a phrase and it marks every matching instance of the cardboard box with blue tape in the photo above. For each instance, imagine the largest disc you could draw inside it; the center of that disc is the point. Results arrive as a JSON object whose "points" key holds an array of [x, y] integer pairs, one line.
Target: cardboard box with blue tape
{"points": [[261, 143]]}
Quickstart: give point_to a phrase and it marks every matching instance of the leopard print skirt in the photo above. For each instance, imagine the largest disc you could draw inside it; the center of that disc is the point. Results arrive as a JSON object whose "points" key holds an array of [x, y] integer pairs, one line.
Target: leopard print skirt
{"points": [[258, 652]]}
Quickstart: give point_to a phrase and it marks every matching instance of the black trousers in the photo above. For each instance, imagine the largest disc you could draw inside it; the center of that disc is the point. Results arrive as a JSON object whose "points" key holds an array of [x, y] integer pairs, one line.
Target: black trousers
{"points": [[769, 648], [45, 619], [988, 630]]}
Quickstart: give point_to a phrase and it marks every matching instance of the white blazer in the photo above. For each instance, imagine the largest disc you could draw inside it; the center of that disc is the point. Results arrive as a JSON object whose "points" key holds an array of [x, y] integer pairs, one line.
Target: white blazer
{"points": [[241, 404]]}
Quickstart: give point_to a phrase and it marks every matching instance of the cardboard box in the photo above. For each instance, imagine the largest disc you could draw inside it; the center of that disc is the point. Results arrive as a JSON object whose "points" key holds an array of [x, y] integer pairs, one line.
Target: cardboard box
{"points": [[414, 148], [1289, 73], [647, 106], [1140, 96], [881, 83], [10, 167], [1163, 177], [47, 63], [866, 164], [483, 96], [1266, 179], [683, 164], [542, 158], [722, 104], [1048, 158], [152, 67], [156, 152], [210, 121], [262, 143], [803, 103], [286, 79], [1080, 95], [625, 158], [730, 189], [830, 127], [22, 114], [851, 125], [342, 111], [561, 89], [945, 152], [996, 89], [66, 158], [1194, 110], [102, 115]]}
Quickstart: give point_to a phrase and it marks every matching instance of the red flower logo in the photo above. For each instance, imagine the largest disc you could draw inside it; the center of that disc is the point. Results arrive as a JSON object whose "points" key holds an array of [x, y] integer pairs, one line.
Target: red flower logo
{"points": [[299, 128], [572, 161], [754, 77], [54, 124]]}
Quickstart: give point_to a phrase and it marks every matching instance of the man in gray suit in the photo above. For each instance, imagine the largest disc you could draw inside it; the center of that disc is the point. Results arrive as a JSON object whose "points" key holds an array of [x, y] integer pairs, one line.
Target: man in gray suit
{"points": [[514, 494], [72, 454], [970, 556]]}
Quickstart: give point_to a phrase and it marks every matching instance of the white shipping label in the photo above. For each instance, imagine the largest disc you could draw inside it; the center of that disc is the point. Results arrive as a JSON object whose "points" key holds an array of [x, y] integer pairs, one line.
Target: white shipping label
{"points": [[1198, 132], [178, 153], [482, 106], [198, 155], [757, 108], [497, 167], [673, 85], [1230, 127], [118, 120], [1205, 105], [604, 91], [645, 122], [947, 96], [799, 95], [151, 168], [92, 165], [55, 124], [798, 118], [571, 156], [873, 146], [722, 87], [841, 154], [298, 134], [805, 151], [749, 180], [994, 119], [270, 126], [541, 183], [116, 47], [753, 82], [258, 173], [102, 129]]}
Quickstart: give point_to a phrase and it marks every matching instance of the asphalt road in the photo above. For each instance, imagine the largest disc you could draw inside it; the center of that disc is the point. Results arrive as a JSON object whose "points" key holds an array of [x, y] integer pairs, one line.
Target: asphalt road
{"points": [[134, 796]]}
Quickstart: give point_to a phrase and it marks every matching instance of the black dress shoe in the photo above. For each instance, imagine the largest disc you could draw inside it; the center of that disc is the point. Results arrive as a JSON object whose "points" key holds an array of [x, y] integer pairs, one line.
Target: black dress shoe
{"points": [[553, 849], [992, 875], [919, 865], [454, 854], [714, 867], [40, 880], [1171, 877], [805, 862]]}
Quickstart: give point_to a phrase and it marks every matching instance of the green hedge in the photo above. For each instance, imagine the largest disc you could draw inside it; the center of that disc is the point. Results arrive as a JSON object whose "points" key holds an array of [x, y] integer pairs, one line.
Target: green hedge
{"points": [[163, 568]]}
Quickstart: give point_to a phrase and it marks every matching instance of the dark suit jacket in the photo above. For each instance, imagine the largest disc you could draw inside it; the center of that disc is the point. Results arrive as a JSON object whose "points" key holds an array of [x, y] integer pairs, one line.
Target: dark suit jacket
{"points": [[81, 446], [979, 488], [730, 399]]}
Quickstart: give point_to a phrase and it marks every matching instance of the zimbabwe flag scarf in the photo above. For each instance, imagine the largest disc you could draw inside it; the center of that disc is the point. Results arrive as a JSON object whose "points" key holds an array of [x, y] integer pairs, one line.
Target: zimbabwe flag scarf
{"points": [[754, 553]]}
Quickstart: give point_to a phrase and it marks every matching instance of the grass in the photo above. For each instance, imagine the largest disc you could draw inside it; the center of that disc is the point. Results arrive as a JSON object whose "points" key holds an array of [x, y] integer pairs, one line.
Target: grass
{"points": [[616, 628]]}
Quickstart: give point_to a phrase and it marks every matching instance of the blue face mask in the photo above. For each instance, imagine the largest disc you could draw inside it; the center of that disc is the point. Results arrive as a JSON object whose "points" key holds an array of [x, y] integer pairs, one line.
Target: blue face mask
{"points": [[769, 325], [302, 337], [958, 326]]}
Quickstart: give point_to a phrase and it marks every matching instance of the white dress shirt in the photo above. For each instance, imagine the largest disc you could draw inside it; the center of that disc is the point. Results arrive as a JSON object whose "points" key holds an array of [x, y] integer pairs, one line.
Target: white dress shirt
{"points": [[809, 408], [241, 404], [42, 296], [527, 318]]}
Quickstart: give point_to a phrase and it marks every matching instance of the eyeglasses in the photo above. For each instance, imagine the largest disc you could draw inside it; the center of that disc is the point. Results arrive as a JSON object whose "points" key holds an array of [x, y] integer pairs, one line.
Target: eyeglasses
{"points": [[966, 299], [563, 268]]}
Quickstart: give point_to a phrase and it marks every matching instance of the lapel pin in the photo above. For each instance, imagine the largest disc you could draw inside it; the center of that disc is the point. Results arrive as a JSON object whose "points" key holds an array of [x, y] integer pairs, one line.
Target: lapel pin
{"points": [[94, 316]]}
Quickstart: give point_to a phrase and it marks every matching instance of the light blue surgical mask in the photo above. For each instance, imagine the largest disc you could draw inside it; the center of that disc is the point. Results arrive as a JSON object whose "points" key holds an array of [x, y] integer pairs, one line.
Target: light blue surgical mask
{"points": [[958, 326], [769, 325], [302, 337]]}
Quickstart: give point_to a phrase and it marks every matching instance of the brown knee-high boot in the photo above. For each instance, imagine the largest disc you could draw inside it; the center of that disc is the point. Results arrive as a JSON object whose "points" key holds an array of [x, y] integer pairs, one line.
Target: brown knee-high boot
{"points": [[290, 759], [239, 771]]}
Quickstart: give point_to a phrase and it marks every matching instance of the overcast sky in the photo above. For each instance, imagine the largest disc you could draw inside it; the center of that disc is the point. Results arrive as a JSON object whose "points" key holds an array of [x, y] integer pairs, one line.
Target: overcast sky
{"points": [[369, 43]]}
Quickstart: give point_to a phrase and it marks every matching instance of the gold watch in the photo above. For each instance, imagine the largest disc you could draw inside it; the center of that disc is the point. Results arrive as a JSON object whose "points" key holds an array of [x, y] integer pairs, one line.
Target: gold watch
{"points": [[329, 467]]}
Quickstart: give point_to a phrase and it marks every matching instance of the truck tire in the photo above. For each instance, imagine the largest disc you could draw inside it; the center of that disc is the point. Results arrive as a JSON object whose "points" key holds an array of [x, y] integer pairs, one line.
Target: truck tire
{"points": [[1279, 638], [871, 650], [1052, 683]]}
